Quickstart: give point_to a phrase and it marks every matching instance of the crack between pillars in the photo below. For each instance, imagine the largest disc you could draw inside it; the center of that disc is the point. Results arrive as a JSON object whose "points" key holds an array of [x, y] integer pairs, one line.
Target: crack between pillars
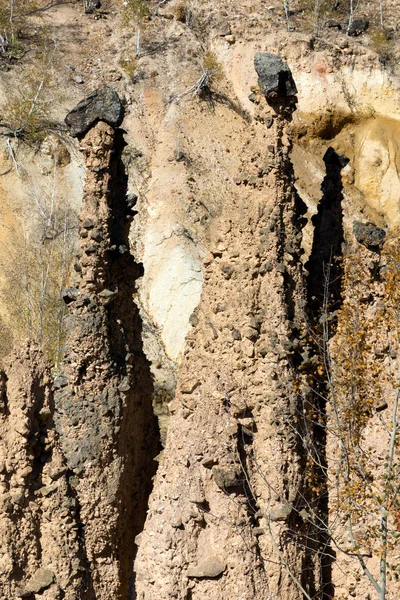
{"points": [[324, 298], [125, 333]]}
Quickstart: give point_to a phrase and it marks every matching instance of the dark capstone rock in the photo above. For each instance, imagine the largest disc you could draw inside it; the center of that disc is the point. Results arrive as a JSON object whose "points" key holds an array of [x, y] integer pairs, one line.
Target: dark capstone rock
{"points": [[69, 295], [358, 26], [274, 78], [252, 97], [368, 234], [101, 105]]}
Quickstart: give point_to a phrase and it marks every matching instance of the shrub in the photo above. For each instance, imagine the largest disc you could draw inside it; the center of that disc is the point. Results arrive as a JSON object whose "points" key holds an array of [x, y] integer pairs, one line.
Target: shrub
{"points": [[26, 111], [13, 22], [36, 269], [135, 11]]}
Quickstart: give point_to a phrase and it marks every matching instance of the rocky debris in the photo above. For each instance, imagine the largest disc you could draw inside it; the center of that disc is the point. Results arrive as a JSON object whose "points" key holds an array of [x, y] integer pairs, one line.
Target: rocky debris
{"points": [[227, 477], [108, 295], [70, 295], [60, 382], [281, 512], [41, 580], [210, 567], [275, 78], [88, 224], [269, 121], [333, 24], [369, 235], [21, 593], [101, 105], [358, 27], [78, 79]]}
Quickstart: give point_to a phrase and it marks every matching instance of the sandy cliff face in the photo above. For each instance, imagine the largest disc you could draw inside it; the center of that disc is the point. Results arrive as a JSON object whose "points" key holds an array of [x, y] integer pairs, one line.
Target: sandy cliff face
{"points": [[191, 291]]}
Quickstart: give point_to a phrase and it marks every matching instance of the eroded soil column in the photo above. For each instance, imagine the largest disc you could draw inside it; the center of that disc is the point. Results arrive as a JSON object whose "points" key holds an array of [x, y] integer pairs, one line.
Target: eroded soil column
{"points": [[104, 415], [227, 492]]}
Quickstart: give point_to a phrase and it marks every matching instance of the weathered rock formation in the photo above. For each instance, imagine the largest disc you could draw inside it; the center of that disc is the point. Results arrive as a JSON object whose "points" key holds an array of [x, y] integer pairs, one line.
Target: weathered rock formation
{"points": [[224, 514], [244, 503], [76, 470], [103, 401]]}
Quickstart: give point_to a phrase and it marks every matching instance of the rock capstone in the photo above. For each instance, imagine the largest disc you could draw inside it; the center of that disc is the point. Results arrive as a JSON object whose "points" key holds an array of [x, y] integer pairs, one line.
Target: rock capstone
{"points": [[101, 105], [274, 78]]}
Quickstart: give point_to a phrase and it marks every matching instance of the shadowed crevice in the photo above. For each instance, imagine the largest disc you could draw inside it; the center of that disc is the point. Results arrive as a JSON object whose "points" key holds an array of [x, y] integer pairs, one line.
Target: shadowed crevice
{"points": [[324, 298], [139, 439]]}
